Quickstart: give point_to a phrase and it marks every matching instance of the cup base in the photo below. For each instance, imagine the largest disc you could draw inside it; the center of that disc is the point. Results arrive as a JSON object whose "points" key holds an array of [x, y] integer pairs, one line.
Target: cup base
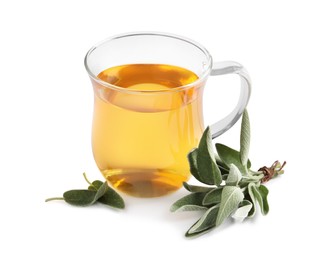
{"points": [[144, 183]]}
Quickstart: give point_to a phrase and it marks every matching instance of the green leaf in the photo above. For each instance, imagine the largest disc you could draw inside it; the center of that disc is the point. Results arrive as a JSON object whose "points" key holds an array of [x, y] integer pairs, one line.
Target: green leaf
{"points": [[95, 185], [101, 191], [223, 170], [84, 197], [213, 197], [230, 156], [205, 223], [250, 196], [245, 138], [79, 197], [264, 193], [242, 211], [208, 170], [230, 198], [192, 160], [259, 194], [194, 188], [234, 176], [190, 202], [112, 199], [225, 176], [221, 165]]}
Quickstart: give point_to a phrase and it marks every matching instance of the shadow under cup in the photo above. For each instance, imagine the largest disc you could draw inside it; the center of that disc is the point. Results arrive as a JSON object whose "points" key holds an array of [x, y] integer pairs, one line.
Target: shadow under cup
{"points": [[142, 131]]}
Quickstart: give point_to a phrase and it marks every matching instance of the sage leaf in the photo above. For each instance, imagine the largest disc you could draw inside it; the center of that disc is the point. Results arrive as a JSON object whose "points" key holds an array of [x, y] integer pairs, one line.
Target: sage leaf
{"points": [[208, 170], [257, 194], [234, 176], [84, 197], [100, 188], [112, 199], [245, 138], [95, 185], [205, 223], [221, 165], [264, 193], [213, 197], [242, 211], [79, 197], [223, 170], [225, 176], [190, 202], [192, 160], [230, 156], [230, 199], [101, 191], [194, 188], [250, 195]]}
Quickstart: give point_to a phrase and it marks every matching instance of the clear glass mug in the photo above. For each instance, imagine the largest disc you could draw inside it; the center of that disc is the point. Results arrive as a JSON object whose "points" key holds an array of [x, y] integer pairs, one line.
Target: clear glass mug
{"points": [[148, 108]]}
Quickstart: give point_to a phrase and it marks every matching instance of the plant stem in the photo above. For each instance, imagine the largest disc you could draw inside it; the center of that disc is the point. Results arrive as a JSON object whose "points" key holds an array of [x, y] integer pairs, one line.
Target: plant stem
{"points": [[55, 198], [255, 173], [87, 179]]}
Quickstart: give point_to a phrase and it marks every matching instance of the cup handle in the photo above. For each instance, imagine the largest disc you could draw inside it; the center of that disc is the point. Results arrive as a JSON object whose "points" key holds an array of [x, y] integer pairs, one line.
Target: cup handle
{"points": [[231, 67]]}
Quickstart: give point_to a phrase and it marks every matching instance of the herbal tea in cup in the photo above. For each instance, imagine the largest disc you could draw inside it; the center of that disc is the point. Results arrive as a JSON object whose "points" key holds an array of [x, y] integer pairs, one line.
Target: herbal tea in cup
{"points": [[148, 108]]}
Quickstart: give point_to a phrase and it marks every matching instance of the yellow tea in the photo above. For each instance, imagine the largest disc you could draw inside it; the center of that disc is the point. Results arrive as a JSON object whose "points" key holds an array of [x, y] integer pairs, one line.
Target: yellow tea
{"points": [[143, 131]]}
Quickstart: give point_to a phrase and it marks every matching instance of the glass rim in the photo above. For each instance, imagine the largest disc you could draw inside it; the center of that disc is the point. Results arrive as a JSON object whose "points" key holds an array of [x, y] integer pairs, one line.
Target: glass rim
{"points": [[201, 77]]}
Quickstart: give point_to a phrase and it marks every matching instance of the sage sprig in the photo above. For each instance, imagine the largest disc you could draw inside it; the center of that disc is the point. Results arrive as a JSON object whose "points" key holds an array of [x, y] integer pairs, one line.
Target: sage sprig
{"points": [[238, 189], [97, 191]]}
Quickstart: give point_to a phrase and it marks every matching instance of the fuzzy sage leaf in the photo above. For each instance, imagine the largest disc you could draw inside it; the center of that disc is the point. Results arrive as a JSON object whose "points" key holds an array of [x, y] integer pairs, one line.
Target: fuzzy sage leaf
{"points": [[205, 223], [192, 160], [190, 202], [230, 156], [259, 194], [195, 188], [230, 198], [263, 191], [79, 197], [242, 211], [245, 139], [208, 170], [234, 176], [101, 191], [110, 197], [213, 196]]}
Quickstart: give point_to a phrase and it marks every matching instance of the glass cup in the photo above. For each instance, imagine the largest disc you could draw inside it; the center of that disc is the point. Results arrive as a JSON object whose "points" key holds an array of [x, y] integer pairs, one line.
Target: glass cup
{"points": [[148, 116]]}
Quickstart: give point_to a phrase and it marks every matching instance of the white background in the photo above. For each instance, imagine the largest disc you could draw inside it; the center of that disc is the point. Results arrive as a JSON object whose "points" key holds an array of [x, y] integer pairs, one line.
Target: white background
{"points": [[46, 104]]}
